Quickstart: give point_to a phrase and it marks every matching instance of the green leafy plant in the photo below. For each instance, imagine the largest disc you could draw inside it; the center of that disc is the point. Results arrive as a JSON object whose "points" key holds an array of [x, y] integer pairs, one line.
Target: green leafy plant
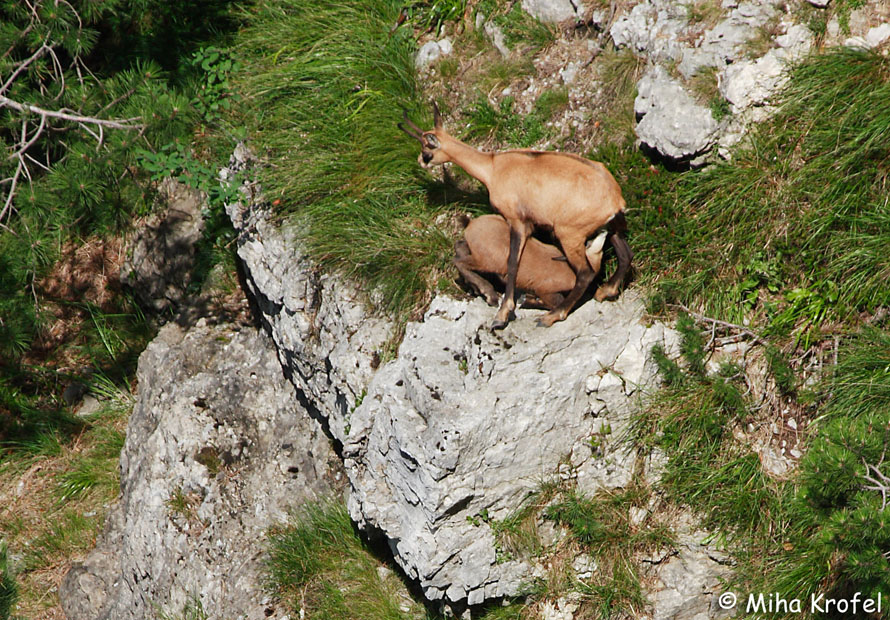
{"points": [[214, 93]]}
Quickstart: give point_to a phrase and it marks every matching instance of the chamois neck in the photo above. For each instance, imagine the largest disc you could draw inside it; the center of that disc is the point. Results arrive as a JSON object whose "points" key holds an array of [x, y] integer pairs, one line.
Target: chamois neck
{"points": [[475, 162]]}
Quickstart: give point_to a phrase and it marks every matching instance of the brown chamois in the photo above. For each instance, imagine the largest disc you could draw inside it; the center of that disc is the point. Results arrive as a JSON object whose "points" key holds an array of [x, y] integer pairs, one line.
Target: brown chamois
{"points": [[542, 270], [573, 196]]}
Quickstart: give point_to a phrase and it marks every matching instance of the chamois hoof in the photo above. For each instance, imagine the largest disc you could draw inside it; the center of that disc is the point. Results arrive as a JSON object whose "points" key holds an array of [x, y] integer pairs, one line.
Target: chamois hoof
{"points": [[605, 293], [492, 301], [498, 324], [549, 319]]}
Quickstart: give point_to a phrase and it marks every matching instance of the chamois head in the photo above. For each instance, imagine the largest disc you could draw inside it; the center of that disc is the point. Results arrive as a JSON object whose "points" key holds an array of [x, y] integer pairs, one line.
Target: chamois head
{"points": [[431, 151]]}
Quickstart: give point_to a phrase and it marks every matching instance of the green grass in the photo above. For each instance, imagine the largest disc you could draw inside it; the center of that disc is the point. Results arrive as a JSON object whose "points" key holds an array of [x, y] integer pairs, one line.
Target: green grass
{"points": [[602, 526], [192, 610], [70, 531], [808, 198], [842, 531], [522, 32], [324, 85], [96, 468], [8, 588], [790, 234], [823, 531], [318, 564], [619, 70], [505, 126]]}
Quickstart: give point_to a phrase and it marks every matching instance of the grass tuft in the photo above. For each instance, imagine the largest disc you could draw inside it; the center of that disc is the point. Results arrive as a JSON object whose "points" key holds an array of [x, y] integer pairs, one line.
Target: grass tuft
{"points": [[601, 524], [326, 84], [324, 570], [8, 588]]}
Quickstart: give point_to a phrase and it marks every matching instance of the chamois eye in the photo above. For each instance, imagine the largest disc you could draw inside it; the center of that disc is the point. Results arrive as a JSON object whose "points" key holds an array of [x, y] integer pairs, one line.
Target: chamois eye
{"points": [[431, 141]]}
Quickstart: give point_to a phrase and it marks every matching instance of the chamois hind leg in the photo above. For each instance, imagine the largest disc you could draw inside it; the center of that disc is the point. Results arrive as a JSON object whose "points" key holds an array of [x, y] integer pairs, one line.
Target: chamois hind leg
{"points": [[463, 260], [519, 233], [609, 290], [575, 252], [547, 301]]}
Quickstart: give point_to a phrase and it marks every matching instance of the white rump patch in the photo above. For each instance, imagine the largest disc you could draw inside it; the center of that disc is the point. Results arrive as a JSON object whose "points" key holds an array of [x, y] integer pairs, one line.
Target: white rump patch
{"points": [[596, 244]]}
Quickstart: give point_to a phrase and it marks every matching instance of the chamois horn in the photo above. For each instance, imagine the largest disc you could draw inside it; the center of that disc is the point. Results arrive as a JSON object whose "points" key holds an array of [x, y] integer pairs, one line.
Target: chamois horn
{"points": [[415, 131]]}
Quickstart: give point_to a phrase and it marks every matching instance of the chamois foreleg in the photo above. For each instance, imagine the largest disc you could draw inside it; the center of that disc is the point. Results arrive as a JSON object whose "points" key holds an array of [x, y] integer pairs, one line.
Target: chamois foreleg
{"points": [[575, 252], [519, 234], [617, 227], [463, 260]]}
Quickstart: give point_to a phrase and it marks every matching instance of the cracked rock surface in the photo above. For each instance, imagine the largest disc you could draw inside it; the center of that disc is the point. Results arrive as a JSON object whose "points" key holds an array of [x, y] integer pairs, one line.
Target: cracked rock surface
{"points": [[466, 422], [463, 421], [328, 342], [217, 451]]}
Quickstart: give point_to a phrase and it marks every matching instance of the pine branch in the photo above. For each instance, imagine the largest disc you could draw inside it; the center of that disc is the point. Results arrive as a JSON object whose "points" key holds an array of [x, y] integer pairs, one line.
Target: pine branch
{"points": [[25, 142]]}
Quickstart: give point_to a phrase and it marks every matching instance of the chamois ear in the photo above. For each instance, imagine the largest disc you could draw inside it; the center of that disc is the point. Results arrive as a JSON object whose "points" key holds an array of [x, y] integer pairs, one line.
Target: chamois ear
{"points": [[430, 141], [436, 116]]}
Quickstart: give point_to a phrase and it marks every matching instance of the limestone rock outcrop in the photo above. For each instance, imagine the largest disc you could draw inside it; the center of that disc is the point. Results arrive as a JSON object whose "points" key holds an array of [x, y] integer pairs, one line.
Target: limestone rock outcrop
{"points": [[217, 452], [467, 422]]}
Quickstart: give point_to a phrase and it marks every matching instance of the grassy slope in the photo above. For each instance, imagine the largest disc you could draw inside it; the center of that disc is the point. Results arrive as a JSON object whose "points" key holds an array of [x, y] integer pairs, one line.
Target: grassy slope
{"points": [[793, 229], [325, 85], [790, 235], [55, 495]]}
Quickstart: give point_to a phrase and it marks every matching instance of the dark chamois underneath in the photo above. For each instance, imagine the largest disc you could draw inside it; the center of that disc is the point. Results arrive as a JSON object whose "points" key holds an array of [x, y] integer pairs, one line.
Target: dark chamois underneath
{"points": [[542, 270]]}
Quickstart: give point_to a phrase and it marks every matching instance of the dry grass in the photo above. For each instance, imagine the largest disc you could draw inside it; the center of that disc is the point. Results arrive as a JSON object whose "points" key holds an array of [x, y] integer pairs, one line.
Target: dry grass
{"points": [[45, 532]]}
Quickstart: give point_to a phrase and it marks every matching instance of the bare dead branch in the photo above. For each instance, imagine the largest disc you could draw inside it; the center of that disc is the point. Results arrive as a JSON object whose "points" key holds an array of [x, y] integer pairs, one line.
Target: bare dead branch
{"points": [[879, 481], [26, 145], [7, 206], [126, 123], [60, 73]]}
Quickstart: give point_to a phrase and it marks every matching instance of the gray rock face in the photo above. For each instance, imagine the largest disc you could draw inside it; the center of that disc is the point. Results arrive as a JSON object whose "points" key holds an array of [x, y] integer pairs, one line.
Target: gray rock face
{"points": [[661, 30], [216, 453], [653, 28], [328, 342], [465, 421], [161, 256], [726, 42], [672, 122], [751, 83], [431, 51], [553, 11]]}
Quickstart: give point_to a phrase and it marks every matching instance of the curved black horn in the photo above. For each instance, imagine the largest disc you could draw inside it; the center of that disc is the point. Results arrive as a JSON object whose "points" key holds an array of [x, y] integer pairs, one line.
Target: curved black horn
{"points": [[418, 132], [437, 118], [416, 136]]}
